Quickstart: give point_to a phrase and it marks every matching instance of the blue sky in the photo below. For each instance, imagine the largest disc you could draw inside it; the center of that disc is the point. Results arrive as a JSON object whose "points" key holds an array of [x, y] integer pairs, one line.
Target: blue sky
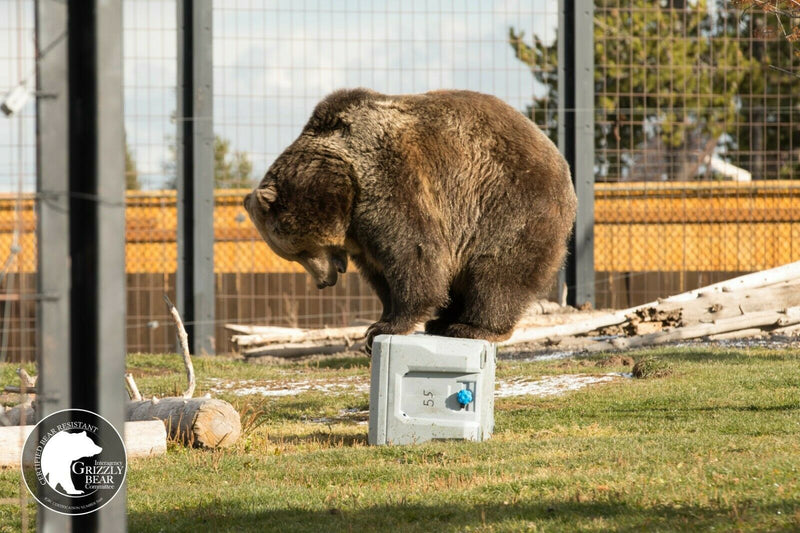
{"points": [[274, 60]]}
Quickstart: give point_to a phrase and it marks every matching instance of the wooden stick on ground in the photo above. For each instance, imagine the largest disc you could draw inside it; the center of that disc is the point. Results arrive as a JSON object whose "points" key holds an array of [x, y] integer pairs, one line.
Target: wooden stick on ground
{"points": [[133, 390], [25, 379], [184, 339]]}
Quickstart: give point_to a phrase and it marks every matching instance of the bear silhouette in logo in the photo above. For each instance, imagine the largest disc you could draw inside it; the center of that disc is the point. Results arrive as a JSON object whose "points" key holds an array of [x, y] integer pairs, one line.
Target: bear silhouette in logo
{"points": [[58, 455]]}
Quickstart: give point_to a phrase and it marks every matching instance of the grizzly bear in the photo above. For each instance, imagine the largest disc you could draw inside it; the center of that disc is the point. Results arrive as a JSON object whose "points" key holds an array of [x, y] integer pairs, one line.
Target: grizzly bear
{"points": [[449, 202]]}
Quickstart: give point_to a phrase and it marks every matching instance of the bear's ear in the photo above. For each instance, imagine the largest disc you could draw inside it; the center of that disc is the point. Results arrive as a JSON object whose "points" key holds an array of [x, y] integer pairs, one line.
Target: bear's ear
{"points": [[266, 194]]}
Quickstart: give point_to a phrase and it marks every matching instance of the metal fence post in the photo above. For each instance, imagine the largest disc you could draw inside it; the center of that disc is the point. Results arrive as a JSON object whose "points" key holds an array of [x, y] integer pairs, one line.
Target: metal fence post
{"points": [[195, 278], [576, 137], [82, 223], [52, 184]]}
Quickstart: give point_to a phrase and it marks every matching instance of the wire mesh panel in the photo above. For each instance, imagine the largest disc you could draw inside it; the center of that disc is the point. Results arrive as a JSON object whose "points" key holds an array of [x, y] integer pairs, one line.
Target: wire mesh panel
{"points": [[273, 61], [698, 145], [17, 181], [696, 132], [150, 69]]}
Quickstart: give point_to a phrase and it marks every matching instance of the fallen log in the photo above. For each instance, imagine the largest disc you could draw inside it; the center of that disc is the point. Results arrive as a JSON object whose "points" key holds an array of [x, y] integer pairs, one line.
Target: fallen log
{"points": [[142, 439], [760, 319], [261, 330], [300, 349], [16, 389], [789, 331], [345, 335], [565, 330], [758, 279], [19, 414], [716, 305], [738, 334], [199, 422], [755, 280]]}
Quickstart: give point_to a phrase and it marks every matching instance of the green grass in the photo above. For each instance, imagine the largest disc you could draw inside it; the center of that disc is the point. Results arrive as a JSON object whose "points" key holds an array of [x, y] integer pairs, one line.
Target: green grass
{"points": [[715, 444]]}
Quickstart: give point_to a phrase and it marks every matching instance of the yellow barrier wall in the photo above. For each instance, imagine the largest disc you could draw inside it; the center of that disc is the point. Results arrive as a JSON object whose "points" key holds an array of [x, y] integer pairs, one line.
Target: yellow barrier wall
{"points": [[638, 227]]}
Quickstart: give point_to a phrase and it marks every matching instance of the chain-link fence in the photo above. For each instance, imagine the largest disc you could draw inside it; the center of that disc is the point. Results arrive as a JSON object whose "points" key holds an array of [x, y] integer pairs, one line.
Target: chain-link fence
{"points": [[697, 139], [698, 143], [17, 181], [150, 77]]}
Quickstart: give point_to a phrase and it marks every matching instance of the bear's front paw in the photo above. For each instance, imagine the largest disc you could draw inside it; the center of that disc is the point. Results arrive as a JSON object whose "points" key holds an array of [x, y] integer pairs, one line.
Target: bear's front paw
{"points": [[378, 328], [383, 327]]}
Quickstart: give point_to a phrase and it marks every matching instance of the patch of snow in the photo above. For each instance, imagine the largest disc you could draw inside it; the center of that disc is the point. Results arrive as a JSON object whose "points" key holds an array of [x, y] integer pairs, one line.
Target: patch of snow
{"points": [[551, 385], [549, 356], [546, 386], [248, 387]]}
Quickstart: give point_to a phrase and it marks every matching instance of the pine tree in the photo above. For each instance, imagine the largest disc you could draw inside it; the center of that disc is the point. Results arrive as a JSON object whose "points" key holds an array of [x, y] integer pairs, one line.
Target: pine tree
{"points": [[661, 78]]}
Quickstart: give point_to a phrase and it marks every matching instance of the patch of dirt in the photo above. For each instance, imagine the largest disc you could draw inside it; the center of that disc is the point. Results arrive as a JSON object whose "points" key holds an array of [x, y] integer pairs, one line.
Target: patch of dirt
{"points": [[613, 360], [617, 360], [652, 367]]}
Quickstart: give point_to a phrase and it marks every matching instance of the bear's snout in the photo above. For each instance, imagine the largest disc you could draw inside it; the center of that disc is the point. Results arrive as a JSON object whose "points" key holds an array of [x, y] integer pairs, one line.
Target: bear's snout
{"points": [[325, 283], [329, 281]]}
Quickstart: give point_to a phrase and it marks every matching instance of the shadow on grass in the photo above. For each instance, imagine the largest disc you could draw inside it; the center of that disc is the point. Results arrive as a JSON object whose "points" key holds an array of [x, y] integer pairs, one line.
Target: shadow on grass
{"points": [[322, 438], [562, 515], [701, 354], [689, 354], [711, 409], [356, 361]]}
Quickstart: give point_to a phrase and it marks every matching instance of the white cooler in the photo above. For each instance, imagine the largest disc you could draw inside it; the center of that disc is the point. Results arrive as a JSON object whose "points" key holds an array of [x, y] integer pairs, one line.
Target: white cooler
{"points": [[425, 388]]}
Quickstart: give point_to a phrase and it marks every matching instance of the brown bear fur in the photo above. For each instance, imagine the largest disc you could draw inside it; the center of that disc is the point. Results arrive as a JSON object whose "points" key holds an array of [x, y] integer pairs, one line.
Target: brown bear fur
{"points": [[449, 202]]}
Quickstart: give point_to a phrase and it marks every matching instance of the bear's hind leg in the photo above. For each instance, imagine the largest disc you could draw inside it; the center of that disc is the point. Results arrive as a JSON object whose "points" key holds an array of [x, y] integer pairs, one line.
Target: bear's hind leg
{"points": [[445, 315], [490, 311]]}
